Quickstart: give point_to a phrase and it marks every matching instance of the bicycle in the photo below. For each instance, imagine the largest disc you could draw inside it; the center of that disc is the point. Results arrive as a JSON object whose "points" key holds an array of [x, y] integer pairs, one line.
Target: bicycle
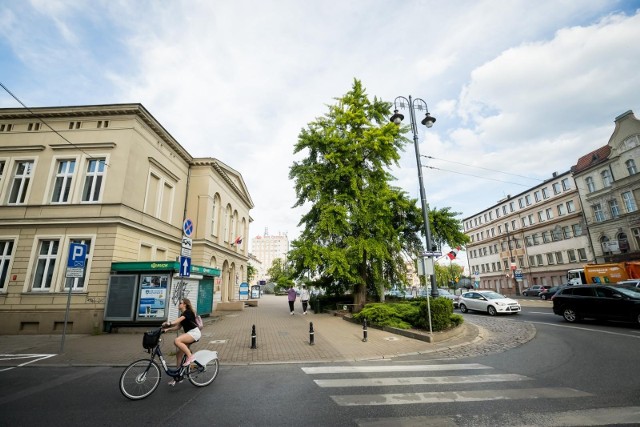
{"points": [[142, 377]]}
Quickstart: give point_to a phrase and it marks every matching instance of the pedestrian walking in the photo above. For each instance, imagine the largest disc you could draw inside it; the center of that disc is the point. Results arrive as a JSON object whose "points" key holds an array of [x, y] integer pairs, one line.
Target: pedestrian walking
{"points": [[304, 297], [291, 296]]}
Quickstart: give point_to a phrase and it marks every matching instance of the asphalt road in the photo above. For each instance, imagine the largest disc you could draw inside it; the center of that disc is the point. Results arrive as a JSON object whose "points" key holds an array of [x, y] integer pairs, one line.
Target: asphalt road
{"points": [[584, 374]]}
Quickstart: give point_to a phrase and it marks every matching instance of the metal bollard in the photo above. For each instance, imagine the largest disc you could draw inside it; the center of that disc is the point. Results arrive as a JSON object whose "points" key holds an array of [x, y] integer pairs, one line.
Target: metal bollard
{"points": [[311, 334], [364, 330], [253, 337]]}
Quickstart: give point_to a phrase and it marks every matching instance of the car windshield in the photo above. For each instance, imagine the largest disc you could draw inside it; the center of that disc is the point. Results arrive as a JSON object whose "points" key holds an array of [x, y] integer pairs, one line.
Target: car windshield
{"points": [[630, 292], [492, 295]]}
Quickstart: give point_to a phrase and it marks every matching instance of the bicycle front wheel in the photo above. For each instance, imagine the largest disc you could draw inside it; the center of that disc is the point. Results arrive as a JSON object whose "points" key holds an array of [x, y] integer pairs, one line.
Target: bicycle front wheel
{"points": [[140, 379], [203, 375]]}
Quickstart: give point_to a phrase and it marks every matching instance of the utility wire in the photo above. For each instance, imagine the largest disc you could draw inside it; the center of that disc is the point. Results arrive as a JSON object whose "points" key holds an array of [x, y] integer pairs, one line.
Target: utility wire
{"points": [[475, 176], [45, 123], [480, 167]]}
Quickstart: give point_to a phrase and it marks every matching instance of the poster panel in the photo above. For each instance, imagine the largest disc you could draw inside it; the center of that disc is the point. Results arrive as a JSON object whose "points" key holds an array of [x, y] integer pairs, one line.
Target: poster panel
{"points": [[153, 297]]}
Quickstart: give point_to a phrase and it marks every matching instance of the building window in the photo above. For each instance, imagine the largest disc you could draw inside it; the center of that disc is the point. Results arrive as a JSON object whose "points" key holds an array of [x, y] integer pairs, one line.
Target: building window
{"points": [[566, 231], [556, 234], [591, 186], [546, 237], [614, 209], [530, 217], [528, 240], [536, 196], [606, 178], [582, 254], [560, 209], [540, 216], [46, 264], [6, 127], [504, 209], [78, 283], [539, 259], [93, 180], [513, 224], [598, 214], [21, 180], [497, 212], [571, 207], [523, 221], [545, 193], [559, 259], [6, 249], [571, 254], [521, 202], [623, 242], [556, 188], [74, 125], [536, 239], [577, 230], [511, 207], [636, 236], [64, 178], [103, 123], [33, 127], [521, 261], [549, 213], [532, 261], [566, 184], [604, 242], [527, 199], [629, 201]]}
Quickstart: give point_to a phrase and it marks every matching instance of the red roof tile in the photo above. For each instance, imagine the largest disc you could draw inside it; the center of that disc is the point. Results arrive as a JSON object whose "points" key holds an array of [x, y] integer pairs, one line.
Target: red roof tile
{"points": [[593, 158]]}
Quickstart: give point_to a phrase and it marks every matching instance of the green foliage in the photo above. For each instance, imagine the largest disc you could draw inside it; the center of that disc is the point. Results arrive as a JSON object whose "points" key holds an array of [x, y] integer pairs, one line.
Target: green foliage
{"points": [[279, 274], [404, 315], [446, 274], [251, 272]]}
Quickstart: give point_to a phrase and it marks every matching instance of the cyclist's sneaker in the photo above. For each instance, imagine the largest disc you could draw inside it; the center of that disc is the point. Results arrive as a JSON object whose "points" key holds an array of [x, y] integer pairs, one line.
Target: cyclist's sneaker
{"points": [[174, 381], [189, 360]]}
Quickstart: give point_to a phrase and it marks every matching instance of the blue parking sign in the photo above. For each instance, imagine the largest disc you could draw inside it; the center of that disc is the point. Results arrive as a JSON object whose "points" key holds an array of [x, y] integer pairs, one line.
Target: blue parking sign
{"points": [[77, 255]]}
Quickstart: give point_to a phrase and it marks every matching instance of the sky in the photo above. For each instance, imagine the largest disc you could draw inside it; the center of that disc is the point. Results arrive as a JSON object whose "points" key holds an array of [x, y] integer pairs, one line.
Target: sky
{"points": [[519, 89]]}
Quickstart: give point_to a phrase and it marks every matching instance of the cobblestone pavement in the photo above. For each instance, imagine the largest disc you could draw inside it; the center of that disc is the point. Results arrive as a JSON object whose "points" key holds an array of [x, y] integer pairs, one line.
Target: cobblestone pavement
{"points": [[281, 338]]}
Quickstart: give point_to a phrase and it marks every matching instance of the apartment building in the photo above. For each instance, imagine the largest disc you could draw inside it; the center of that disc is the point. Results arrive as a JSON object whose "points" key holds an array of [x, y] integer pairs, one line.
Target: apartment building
{"points": [[539, 232], [266, 249], [112, 178], [609, 186]]}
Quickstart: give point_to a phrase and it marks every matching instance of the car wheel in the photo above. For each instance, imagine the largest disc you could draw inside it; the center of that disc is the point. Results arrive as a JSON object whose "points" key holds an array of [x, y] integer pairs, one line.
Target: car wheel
{"points": [[491, 310], [463, 308], [570, 315], [524, 294]]}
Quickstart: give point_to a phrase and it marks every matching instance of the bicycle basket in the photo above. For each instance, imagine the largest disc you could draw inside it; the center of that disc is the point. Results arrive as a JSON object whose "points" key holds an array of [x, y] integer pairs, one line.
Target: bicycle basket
{"points": [[150, 339]]}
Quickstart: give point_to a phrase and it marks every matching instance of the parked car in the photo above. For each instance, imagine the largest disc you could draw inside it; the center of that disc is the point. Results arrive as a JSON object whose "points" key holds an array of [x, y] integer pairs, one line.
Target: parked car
{"points": [[446, 294], [606, 302], [534, 291], [548, 293], [488, 301], [631, 282]]}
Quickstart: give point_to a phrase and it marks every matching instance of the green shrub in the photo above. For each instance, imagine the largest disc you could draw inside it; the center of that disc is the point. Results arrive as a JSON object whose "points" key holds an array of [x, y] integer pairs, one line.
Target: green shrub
{"points": [[393, 315], [404, 315]]}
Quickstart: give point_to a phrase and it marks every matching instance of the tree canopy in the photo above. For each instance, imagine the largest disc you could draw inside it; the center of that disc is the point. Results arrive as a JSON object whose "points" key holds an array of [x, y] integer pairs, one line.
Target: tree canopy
{"points": [[359, 228]]}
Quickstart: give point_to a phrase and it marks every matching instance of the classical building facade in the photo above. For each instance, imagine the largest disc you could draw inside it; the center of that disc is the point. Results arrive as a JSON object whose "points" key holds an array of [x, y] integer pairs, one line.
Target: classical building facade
{"points": [[540, 233], [112, 178], [609, 185]]}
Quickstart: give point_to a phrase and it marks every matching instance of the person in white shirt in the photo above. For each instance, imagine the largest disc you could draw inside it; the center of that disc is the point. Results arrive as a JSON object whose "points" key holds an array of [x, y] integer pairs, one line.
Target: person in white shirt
{"points": [[304, 297]]}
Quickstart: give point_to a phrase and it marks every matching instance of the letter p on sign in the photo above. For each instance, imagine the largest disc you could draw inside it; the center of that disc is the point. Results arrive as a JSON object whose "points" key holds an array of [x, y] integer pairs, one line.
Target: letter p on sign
{"points": [[77, 255]]}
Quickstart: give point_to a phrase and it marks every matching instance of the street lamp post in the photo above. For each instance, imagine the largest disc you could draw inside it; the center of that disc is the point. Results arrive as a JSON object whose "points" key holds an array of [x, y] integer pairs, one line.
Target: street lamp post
{"points": [[428, 121]]}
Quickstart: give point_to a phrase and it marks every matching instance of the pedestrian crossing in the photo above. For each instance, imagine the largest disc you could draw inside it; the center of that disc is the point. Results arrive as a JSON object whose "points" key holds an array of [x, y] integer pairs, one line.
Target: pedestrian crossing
{"points": [[450, 383]]}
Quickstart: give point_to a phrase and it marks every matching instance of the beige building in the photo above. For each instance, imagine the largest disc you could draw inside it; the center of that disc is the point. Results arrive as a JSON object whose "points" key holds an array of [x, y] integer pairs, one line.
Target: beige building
{"points": [[609, 185], [539, 233], [266, 249], [110, 177]]}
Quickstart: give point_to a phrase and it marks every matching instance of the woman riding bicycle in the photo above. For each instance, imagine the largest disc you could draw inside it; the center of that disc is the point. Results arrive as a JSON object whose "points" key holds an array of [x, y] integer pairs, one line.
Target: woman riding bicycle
{"points": [[191, 334]]}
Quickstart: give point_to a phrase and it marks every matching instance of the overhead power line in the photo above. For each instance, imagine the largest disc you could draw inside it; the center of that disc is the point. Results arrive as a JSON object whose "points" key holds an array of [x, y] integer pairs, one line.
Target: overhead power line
{"points": [[475, 176], [480, 167]]}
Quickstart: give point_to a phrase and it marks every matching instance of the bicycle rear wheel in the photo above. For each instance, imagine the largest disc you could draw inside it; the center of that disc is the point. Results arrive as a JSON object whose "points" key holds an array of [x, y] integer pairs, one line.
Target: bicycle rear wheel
{"points": [[203, 375], [140, 379]]}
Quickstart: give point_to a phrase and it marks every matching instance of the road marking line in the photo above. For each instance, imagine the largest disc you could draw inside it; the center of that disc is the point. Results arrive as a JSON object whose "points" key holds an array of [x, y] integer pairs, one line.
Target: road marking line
{"points": [[35, 357], [379, 382], [586, 329], [456, 396], [393, 368]]}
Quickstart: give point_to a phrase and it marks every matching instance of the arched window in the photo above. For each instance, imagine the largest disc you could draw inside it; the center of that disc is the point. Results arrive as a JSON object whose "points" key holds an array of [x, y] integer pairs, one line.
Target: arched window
{"points": [[623, 242], [631, 167], [591, 186], [604, 242]]}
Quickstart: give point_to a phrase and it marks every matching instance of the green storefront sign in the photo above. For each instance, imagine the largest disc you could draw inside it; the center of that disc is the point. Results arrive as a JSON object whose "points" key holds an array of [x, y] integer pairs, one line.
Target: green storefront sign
{"points": [[163, 266]]}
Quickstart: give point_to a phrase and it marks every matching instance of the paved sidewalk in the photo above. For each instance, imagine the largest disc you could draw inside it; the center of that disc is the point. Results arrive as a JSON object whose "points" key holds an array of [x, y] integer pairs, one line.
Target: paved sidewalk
{"points": [[280, 338]]}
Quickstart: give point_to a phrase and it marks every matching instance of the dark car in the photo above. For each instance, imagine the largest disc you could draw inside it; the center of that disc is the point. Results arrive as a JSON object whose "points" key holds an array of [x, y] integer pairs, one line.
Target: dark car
{"points": [[606, 302], [534, 290], [548, 293]]}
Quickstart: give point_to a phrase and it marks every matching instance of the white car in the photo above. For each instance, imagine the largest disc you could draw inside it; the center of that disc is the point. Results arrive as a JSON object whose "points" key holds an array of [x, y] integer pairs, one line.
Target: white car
{"points": [[488, 301]]}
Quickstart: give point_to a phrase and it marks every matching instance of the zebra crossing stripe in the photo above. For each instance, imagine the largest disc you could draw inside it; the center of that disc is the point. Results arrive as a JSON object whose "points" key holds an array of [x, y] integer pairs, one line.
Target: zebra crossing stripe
{"points": [[392, 368], [456, 396], [379, 382]]}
